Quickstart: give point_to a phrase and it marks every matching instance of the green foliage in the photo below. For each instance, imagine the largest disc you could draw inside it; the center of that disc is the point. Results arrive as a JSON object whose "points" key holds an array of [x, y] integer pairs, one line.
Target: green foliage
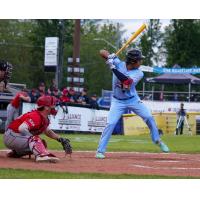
{"points": [[15, 47], [22, 44], [95, 37], [48, 28], [182, 42], [151, 42]]}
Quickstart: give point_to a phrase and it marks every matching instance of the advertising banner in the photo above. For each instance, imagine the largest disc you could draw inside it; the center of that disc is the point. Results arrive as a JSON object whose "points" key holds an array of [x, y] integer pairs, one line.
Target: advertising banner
{"points": [[51, 51], [134, 125], [77, 118], [163, 70]]}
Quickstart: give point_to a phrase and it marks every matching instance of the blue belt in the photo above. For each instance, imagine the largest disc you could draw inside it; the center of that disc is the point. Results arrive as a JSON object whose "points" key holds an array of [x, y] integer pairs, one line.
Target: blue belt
{"points": [[124, 98]]}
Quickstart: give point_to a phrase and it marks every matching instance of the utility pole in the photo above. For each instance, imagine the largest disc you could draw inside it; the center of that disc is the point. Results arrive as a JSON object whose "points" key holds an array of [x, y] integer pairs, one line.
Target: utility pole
{"points": [[75, 72], [76, 49], [59, 70]]}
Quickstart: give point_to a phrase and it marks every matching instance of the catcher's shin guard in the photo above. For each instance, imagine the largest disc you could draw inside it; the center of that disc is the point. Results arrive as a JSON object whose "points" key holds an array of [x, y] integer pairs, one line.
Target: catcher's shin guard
{"points": [[37, 146]]}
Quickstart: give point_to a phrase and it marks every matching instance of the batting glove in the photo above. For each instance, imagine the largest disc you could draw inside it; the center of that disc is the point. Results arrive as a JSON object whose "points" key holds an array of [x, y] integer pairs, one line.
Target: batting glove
{"points": [[112, 56], [110, 64]]}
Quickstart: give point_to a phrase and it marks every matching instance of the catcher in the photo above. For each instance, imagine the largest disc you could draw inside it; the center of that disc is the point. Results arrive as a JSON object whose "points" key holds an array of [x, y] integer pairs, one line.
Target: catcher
{"points": [[22, 134]]}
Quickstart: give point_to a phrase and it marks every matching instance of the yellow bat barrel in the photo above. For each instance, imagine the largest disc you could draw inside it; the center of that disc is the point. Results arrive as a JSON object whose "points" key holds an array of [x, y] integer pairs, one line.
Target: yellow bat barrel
{"points": [[141, 29]]}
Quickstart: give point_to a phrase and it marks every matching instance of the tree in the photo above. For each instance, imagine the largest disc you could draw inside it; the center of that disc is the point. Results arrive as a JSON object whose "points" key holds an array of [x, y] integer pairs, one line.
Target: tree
{"points": [[182, 42], [151, 43], [15, 47], [48, 28], [97, 75]]}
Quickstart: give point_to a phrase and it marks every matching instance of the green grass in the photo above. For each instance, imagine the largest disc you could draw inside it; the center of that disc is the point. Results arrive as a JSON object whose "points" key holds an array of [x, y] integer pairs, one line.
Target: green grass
{"points": [[83, 142], [35, 174]]}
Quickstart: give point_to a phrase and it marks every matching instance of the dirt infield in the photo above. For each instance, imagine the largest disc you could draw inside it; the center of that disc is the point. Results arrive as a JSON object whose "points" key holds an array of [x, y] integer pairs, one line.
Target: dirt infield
{"points": [[115, 163]]}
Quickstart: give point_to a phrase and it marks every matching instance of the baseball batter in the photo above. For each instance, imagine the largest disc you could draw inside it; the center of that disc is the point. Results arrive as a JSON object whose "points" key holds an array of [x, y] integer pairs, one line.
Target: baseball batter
{"points": [[14, 105], [126, 75], [22, 134]]}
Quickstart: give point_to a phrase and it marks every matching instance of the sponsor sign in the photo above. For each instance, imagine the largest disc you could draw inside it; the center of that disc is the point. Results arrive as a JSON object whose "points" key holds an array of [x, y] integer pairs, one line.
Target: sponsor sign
{"points": [[163, 70], [77, 118], [51, 51]]}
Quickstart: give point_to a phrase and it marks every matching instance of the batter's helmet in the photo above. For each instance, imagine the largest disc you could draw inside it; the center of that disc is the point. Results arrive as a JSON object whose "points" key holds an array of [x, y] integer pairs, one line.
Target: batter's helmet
{"points": [[46, 101], [134, 55]]}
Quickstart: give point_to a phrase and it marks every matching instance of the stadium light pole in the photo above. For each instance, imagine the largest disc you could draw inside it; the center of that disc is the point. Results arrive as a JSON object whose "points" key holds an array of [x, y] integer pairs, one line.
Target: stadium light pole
{"points": [[107, 42]]}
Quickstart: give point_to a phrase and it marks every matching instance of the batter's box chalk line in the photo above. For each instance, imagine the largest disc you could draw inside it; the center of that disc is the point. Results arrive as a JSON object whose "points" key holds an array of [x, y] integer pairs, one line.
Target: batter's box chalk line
{"points": [[165, 168]]}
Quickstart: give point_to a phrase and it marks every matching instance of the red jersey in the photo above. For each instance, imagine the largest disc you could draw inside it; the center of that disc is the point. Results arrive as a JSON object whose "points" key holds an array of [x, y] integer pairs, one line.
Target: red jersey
{"points": [[64, 99], [16, 101], [35, 121]]}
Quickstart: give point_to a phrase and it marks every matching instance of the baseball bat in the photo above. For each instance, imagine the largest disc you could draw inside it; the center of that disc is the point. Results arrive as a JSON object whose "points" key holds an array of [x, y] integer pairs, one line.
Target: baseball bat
{"points": [[141, 29]]}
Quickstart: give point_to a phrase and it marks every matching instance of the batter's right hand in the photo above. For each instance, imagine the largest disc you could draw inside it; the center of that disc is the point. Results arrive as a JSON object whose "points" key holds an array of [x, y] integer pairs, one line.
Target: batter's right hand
{"points": [[110, 62]]}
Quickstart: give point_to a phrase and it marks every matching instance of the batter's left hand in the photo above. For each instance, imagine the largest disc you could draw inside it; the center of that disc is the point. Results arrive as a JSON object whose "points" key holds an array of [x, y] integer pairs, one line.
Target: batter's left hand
{"points": [[110, 62]]}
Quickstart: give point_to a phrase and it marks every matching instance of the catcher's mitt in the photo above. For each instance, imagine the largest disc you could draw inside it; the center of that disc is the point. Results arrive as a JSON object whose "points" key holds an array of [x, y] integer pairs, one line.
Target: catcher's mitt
{"points": [[66, 145]]}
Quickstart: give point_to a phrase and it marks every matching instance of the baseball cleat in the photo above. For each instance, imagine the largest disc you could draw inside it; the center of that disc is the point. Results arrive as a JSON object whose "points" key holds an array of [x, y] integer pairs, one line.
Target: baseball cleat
{"points": [[47, 159], [100, 155], [13, 154], [164, 147]]}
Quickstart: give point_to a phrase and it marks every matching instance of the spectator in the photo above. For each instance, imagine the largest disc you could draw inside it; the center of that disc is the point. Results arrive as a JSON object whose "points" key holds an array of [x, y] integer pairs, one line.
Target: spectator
{"points": [[161, 98], [5, 71], [41, 89], [64, 98], [193, 96], [56, 93], [83, 98], [72, 95], [52, 87], [93, 102], [175, 97], [33, 95], [2, 86]]}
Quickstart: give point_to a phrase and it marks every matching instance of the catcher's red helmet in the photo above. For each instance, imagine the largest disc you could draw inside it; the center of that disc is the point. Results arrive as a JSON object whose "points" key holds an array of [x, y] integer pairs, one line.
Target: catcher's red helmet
{"points": [[46, 101]]}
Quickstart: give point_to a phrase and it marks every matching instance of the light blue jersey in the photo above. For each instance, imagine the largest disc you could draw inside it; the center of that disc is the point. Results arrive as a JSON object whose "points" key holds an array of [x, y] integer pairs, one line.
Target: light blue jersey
{"points": [[136, 75]]}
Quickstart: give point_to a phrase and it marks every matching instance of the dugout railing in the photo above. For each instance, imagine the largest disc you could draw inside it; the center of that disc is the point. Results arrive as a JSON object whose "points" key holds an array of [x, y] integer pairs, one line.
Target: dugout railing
{"points": [[169, 96]]}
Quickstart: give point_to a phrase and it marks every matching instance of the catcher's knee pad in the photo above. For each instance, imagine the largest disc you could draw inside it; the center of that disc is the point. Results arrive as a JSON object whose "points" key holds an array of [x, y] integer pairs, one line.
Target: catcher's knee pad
{"points": [[44, 143], [37, 146]]}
